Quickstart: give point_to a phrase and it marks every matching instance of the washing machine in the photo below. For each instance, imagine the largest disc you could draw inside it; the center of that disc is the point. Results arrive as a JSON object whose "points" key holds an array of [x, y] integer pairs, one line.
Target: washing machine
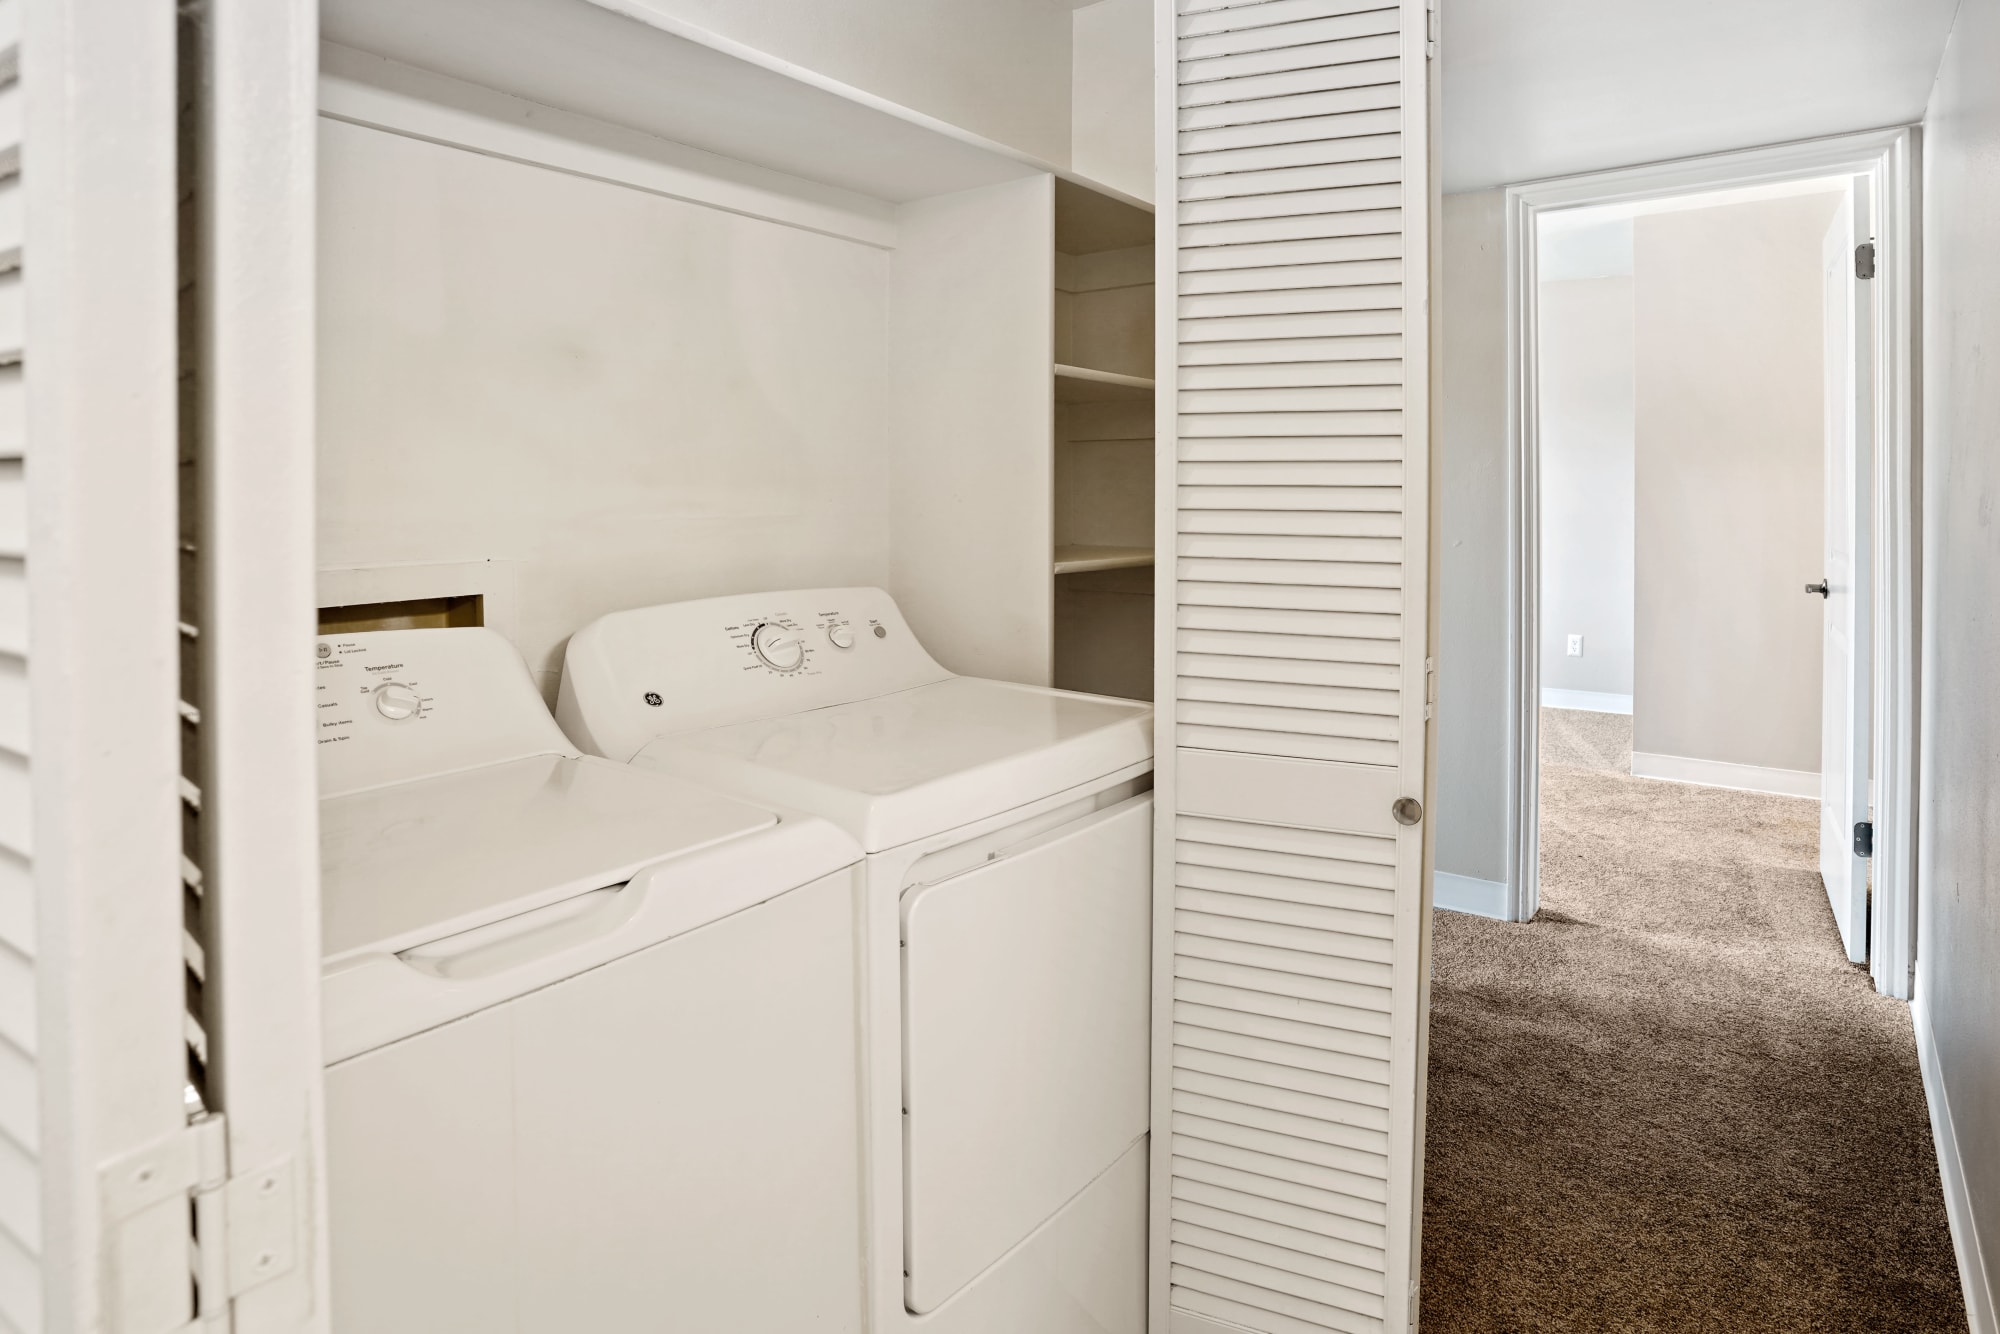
{"points": [[591, 1029], [1005, 940]]}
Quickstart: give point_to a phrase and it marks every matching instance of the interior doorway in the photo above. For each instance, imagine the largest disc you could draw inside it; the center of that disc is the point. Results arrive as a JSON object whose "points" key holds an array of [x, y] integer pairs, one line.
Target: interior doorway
{"points": [[1662, 577]]}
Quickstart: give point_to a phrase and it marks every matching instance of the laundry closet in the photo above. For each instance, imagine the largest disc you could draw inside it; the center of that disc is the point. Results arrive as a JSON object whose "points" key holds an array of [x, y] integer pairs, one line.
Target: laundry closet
{"points": [[649, 359], [777, 704]]}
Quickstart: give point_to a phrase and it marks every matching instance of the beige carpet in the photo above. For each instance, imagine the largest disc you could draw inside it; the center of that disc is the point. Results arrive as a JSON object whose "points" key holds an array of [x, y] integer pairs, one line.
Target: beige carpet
{"points": [[1669, 1102]]}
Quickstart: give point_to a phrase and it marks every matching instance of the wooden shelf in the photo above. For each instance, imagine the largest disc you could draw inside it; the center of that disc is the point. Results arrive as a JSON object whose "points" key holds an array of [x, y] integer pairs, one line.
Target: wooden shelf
{"points": [[1079, 559], [629, 65], [1080, 384]]}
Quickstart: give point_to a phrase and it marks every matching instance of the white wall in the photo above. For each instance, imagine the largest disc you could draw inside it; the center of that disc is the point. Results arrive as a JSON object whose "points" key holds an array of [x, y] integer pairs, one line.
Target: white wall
{"points": [[1471, 482], [1585, 400], [1729, 482], [637, 399], [1000, 68], [1958, 947], [1111, 95]]}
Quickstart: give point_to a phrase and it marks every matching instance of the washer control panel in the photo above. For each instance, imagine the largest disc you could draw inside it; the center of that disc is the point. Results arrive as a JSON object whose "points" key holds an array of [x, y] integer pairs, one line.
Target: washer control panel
{"points": [[636, 675], [393, 705], [788, 641]]}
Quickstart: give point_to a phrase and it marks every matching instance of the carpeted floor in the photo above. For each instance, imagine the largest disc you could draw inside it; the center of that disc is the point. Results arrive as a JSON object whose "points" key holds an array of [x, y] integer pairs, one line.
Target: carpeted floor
{"points": [[1669, 1102]]}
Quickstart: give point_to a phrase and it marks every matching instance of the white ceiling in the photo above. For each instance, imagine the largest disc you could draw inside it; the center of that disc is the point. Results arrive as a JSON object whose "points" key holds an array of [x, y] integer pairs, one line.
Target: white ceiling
{"points": [[1540, 88]]}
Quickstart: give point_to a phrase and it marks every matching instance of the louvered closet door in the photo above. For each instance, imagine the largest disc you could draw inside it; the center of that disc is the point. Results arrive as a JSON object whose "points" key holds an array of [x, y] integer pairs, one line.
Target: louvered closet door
{"points": [[1294, 234]]}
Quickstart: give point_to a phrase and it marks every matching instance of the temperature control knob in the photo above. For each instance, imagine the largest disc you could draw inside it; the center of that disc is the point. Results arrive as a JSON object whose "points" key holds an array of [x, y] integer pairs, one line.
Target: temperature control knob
{"points": [[396, 701], [841, 637], [778, 648]]}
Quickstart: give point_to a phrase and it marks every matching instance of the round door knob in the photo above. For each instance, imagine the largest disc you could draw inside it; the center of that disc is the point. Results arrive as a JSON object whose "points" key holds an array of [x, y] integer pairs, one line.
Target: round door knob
{"points": [[841, 637], [396, 701], [1407, 810], [779, 649]]}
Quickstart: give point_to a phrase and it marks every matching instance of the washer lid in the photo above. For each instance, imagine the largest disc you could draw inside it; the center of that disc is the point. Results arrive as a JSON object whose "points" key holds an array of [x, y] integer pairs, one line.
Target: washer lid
{"points": [[413, 862], [917, 762]]}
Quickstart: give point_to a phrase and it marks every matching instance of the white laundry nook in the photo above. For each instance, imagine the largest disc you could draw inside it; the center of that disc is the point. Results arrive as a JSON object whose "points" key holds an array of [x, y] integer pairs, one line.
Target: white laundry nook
{"points": [[790, 715]]}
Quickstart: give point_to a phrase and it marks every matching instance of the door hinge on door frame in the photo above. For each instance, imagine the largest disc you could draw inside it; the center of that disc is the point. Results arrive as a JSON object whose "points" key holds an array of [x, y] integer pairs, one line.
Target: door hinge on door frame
{"points": [[1864, 838], [1864, 260], [245, 1227], [1430, 29], [1430, 687]]}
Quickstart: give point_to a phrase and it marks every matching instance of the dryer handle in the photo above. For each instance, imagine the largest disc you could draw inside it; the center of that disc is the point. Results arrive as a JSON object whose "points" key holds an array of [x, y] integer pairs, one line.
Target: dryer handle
{"points": [[502, 946]]}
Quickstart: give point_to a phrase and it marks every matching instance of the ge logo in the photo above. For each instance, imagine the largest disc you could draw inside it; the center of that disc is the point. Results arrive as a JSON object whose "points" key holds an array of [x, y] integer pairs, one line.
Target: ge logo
{"points": [[653, 698]]}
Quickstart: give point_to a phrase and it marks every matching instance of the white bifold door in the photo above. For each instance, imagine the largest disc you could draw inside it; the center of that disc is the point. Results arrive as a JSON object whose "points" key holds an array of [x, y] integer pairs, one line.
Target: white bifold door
{"points": [[1845, 695], [1294, 232]]}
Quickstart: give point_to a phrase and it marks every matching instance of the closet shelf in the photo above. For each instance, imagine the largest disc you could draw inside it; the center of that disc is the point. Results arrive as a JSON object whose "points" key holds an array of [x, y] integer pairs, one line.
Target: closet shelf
{"points": [[1079, 559], [634, 67], [1080, 384]]}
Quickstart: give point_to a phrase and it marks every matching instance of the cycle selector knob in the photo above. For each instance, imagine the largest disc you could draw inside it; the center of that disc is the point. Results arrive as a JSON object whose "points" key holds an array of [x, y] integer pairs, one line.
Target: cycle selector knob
{"points": [[779, 649], [840, 636], [396, 701]]}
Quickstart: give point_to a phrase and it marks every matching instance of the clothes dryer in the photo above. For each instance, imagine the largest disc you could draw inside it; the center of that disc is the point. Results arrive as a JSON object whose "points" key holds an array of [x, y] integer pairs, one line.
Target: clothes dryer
{"points": [[591, 1030], [1006, 939]]}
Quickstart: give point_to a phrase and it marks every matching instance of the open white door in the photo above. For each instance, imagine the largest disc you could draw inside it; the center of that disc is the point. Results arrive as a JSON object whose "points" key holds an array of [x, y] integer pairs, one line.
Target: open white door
{"points": [[1845, 696], [1294, 199]]}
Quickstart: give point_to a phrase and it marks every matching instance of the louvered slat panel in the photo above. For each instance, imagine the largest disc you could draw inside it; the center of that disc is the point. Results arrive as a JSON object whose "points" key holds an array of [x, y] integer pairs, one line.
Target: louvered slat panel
{"points": [[1296, 34], [1354, 675], [20, 1115], [1382, 277], [17, 1000], [1288, 109], [1200, 16], [1352, 73], [1319, 124], [12, 407], [1301, 153], [1309, 250], [1299, 411], [1260, 375]]}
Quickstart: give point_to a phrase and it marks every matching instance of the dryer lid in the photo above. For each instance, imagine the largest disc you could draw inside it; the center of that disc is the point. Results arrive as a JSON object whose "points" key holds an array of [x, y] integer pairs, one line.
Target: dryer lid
{"points": [[906, 765], [408, 863]]}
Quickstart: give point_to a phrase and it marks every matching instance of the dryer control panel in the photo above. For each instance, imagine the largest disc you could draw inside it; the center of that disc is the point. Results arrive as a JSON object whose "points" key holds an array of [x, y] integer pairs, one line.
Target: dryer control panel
{"points": [[393, 705], [684, 666]]}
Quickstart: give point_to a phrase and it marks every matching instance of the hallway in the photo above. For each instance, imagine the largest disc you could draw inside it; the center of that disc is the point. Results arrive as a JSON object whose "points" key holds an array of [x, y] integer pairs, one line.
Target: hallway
{"points": [[1669, 1103]]}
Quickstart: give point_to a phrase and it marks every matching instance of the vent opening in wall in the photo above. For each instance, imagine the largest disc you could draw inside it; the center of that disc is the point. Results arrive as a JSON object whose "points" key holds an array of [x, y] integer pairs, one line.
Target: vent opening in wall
{"points": [[412, 614]]}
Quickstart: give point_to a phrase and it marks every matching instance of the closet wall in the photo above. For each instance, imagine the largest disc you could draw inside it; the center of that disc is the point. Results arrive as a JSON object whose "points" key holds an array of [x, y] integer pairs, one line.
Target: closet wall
{"points": [[656, 321], [631, 398]]}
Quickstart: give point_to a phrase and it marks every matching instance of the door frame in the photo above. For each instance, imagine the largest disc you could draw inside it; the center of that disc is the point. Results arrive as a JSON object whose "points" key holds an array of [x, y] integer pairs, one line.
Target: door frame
{"points": [[1889, 159]]}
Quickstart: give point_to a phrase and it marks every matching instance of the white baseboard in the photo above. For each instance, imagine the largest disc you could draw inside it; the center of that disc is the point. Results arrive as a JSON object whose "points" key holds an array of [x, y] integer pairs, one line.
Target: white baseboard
{"points": [[1469, 894], [1716, 773], [1982, 1315], [1590, 701]]}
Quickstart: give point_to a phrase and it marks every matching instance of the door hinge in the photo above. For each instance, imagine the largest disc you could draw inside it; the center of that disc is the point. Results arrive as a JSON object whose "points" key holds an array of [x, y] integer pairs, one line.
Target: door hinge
{"points": [[1864, 838], [1431, 30], [245, 1227], [1864, 260], [1430, 687]]}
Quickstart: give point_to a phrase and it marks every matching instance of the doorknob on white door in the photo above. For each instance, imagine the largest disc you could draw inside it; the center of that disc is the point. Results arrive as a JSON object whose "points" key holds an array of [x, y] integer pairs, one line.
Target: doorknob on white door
{"points": [[1819, 588]]}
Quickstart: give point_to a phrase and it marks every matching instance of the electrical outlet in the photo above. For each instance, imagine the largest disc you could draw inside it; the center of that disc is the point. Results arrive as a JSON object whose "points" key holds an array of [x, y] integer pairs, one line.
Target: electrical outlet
{"points": [[1576, 646]]}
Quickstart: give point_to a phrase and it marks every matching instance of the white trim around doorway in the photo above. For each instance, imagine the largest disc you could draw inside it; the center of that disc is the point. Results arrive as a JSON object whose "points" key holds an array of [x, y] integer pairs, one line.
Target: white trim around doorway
{"points": [[1889, 158]]}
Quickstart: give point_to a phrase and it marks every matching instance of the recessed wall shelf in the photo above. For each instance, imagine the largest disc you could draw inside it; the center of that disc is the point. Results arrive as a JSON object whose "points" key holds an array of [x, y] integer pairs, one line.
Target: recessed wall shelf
{"points": [[1080, 559], [1080, 384]]}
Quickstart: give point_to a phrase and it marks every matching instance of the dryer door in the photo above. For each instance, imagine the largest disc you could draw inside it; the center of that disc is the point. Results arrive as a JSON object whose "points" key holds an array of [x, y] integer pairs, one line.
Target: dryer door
{"points": [[1025, 1013]]}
